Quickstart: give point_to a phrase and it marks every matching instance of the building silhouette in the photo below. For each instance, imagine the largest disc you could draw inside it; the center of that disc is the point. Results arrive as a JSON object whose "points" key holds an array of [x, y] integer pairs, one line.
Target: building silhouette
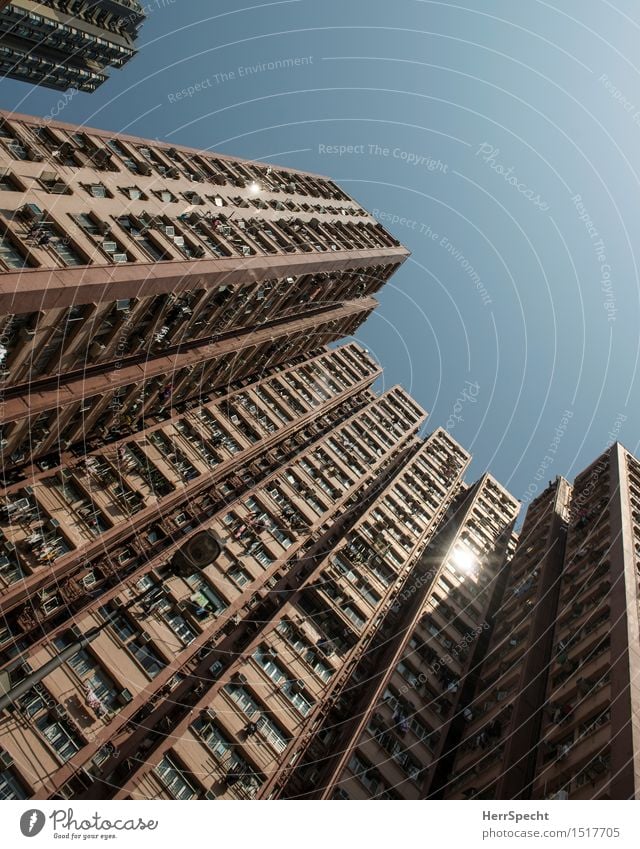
{"points": [[554, 711], [67, 45], [139, 275]]}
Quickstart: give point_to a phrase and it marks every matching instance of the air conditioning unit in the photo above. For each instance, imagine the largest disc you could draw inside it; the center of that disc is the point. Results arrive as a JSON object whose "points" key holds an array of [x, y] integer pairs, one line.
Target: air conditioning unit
{"points": [[145, 638], [240, 678], [20, 504], [215, 669], [50, 606], [31, 212], [124, 697], [102, 153], [5, 759]]}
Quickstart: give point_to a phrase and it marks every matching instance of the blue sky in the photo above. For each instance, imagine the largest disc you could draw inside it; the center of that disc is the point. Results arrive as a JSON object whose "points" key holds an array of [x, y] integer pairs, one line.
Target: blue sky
{"points": [[501, 139]]}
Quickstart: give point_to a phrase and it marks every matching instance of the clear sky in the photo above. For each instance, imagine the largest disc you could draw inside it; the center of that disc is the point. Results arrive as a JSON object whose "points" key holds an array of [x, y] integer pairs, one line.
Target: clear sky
{"points": [[501, 138]]}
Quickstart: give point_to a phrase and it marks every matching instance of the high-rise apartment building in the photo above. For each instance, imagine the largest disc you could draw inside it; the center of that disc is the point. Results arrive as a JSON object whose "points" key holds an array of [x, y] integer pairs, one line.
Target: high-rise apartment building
{"points": [[65, 44], [403, 709], [139, 275], [493, 757], [239, 661], [555, 713], [589, 746]]}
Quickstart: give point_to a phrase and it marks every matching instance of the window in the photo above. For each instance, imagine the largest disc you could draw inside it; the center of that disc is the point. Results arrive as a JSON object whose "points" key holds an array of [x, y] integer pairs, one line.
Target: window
{"points": [[8, 182], [368, 593], [341, 794], [53, 183], [139, 234], [10, 254], [146, 657], [322, 669], [88, 223], [133, 193], [193, 198], [102, 687], [60, 245], [266, 726], [273, 670], [125, 156], [60, 736], [240, 773], [353, 614], [6, 632], [384, 575], [120, 624], [101, 691], [174, 779], [368, 775], [17, 149], [81, 663], [243, 699], [146, 582], [307, 651], [99, 190], [272, 733], [166, 196], [11, 787], [34, 701], [213, 737], [238, 575], [178, 625], [301, 702]]}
